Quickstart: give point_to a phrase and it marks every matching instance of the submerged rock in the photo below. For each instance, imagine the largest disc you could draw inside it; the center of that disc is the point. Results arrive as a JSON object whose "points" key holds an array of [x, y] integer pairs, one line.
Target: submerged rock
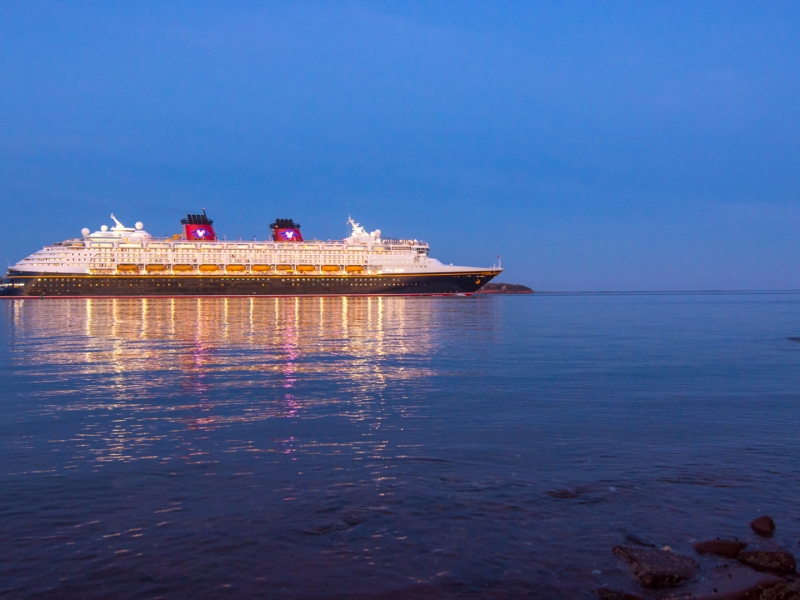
{"points": [[609, 594], [657, 568], [640, 540], [772, 560], [322, 529], [763, 526], [725, 548], [729, 583], [352, 519], [563, 494], [345, 522]]}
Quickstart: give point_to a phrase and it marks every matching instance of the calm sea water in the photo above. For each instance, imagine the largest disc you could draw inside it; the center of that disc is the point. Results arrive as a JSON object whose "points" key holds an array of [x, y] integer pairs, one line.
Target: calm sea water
{"points": [[488, 447]]}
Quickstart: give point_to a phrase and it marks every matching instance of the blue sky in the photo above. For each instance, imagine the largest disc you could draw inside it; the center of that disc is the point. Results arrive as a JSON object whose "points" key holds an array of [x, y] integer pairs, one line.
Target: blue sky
{"points": [[595, 146]]}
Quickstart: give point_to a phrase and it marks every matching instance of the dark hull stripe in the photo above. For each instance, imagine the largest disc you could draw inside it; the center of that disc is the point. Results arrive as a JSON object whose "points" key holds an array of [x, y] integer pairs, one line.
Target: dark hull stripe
{"points": [[259, 276], [165, 297]]}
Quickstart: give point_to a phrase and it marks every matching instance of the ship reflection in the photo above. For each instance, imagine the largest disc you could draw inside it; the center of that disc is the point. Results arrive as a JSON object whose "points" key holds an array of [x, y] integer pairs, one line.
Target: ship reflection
{"points": [[201, 364]]}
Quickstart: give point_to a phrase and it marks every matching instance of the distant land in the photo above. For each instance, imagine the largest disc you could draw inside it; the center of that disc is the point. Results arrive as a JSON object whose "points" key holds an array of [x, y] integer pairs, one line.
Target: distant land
{"points": [[504, 288]]}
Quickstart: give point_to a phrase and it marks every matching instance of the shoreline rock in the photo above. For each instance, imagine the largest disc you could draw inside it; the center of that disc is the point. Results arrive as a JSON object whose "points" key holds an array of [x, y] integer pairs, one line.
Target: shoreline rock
{"points": [[785, 590], [657, 568], [609, 594], [750, 571], [770, 560], [730, 582]]}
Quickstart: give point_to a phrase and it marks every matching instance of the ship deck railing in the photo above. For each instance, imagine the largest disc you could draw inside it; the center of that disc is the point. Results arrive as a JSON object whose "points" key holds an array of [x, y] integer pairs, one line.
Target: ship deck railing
{"points": [[242, 244]]}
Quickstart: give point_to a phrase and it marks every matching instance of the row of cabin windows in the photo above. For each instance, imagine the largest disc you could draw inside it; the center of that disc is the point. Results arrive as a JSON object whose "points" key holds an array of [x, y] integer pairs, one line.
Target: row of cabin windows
{"points": [[293, 281]]}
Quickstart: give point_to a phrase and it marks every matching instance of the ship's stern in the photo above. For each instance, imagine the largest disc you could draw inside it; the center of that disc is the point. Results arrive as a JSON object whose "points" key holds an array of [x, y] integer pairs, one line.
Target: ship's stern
{"points": [[11, 287]]}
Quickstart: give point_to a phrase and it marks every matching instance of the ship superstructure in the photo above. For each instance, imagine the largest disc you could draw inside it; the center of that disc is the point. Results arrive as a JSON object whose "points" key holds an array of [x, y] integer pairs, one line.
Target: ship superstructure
{"points": [[128, 261]]}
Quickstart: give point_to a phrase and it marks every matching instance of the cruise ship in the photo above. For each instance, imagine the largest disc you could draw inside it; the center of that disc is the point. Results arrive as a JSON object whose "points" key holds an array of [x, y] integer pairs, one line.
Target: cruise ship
{"points": [[125, 261]]}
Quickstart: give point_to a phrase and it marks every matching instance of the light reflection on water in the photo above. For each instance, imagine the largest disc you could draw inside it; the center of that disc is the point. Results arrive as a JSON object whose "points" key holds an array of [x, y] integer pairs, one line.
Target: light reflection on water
{"points": [[309, 447], [207, 363]]}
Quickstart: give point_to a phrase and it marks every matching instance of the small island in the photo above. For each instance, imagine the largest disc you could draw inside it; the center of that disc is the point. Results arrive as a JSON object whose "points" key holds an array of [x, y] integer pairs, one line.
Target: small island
{"points": [[504, 288]]}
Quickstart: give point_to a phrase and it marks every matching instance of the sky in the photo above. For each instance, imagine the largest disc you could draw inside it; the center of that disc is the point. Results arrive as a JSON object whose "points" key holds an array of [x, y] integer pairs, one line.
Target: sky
{"points": [[591, 145]]}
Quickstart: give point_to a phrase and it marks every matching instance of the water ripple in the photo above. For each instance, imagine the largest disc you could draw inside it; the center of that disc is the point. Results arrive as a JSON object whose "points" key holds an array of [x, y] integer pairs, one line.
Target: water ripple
{"points": [[385, 447]]}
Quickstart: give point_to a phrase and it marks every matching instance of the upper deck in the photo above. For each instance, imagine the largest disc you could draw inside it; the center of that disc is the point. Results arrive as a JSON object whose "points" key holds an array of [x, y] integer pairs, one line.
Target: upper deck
{"points": [[381, 245], [131, 250]]}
